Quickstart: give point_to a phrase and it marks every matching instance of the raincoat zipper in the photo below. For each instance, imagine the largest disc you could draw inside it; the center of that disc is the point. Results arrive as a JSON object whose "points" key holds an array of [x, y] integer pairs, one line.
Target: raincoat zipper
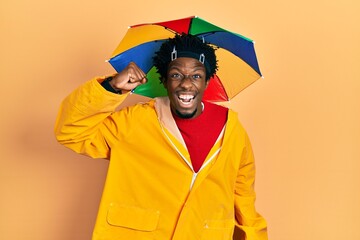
{"points": [[203, 166], [194, 176]]}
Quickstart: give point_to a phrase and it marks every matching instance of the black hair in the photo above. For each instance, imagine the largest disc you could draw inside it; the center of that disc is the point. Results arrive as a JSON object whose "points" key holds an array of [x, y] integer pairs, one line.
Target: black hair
{"points": [[189, 44]]}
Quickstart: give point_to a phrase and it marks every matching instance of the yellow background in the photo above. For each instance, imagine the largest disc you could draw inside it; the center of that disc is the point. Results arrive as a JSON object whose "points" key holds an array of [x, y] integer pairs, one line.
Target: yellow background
{"points": [[303, 117]]}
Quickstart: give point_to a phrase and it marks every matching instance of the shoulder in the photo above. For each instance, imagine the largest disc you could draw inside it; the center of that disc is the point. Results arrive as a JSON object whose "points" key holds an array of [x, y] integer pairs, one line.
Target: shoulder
{"points": [[138, 110], [233, 122]]}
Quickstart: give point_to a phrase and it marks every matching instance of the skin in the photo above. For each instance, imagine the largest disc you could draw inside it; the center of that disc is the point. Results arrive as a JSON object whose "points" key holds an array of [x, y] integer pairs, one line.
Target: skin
{"points": [[128, 79], [185, 83]]}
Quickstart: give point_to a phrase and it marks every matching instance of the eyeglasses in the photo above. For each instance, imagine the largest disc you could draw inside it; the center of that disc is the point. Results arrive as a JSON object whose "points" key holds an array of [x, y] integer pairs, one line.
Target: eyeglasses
{"points": [[180, 77]]}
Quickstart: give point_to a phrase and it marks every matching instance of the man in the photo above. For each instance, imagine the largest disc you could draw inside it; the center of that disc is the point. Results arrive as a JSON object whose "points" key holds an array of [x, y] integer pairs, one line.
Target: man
{"points": [[180, 168]]}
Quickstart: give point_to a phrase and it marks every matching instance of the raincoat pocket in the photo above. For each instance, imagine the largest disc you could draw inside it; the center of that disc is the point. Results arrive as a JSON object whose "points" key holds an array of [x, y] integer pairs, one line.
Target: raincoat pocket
{"points": [[218, 229], [133, 217]]}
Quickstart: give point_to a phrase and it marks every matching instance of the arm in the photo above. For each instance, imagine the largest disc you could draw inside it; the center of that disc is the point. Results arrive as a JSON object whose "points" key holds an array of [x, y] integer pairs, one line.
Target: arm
{"points": [[84, 123], [252, 224], [79, 122]]}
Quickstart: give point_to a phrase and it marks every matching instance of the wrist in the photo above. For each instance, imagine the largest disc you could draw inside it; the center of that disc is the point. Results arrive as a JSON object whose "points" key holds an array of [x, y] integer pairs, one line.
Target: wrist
{"points": [[109, 86]]}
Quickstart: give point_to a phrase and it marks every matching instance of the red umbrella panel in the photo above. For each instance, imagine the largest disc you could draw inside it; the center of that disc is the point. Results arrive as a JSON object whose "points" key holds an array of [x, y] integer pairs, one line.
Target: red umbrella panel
{"points": [[238, 66]]}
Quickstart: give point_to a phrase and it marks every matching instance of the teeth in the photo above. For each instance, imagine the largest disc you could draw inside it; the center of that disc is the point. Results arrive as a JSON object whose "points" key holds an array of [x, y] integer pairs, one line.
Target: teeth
{"points": [[186, 98]]}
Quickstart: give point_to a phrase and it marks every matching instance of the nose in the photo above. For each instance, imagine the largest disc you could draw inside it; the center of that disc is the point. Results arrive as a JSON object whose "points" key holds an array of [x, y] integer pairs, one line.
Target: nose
{"points": [[186, 81]]}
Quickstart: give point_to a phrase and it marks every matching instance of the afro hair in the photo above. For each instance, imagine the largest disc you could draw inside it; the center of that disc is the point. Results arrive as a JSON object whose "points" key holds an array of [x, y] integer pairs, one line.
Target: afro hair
{"points": [[185, 43]]}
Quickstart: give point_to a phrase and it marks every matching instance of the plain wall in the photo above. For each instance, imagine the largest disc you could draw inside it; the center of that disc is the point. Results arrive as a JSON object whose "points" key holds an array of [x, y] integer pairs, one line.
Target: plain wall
{"points": [[303, 117]]}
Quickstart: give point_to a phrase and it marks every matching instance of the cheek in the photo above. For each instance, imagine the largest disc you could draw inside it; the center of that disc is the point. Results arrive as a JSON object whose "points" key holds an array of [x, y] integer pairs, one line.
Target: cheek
{"points": [[201, 85], [169, 86]]}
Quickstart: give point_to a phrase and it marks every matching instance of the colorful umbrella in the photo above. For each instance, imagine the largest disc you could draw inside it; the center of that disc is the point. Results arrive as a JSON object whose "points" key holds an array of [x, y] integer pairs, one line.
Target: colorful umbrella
{"points": [[238, 66]]}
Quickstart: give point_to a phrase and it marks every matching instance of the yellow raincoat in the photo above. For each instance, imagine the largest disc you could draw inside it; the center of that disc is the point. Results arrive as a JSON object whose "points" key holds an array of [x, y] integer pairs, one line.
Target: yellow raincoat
{"points": [[151, 191]]}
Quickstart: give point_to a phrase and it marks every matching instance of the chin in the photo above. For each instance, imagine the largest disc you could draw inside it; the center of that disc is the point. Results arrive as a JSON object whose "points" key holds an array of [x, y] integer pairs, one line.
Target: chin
{"points": [[187, 114]]}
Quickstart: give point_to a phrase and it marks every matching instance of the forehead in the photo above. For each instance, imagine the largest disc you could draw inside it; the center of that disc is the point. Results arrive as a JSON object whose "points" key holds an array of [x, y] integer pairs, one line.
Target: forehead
{"points": [[186, 63]]}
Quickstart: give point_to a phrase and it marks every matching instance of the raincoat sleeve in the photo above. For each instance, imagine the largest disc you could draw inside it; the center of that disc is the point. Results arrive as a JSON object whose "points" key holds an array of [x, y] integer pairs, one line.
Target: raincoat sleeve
{"points": [[252, 225], [83, 123]]}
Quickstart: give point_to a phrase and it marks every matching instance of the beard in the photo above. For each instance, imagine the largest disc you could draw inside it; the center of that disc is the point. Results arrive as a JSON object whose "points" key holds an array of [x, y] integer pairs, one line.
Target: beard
{"points": [[185, 115]]}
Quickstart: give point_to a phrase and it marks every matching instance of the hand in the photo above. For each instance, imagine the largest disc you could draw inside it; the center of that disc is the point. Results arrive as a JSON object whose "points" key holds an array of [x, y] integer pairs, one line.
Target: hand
{"points": [[129, 78]]}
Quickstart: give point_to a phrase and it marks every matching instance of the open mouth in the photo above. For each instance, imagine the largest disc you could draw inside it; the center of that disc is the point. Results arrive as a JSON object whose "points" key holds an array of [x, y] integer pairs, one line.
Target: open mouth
{"points": [[186, 99]]}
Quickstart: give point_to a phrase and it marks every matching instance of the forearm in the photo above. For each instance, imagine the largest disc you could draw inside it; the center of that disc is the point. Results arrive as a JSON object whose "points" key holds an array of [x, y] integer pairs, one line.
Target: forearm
{"points": [[81, 116]]}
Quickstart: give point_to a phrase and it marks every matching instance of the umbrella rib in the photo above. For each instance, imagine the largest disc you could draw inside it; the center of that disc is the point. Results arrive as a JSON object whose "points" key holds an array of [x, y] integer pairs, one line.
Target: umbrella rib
{"points": [[206, 34], [170, 30]]}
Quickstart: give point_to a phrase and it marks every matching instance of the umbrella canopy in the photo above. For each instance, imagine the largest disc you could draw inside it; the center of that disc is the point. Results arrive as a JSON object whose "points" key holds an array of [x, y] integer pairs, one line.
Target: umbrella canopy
{"points": [[238, 66]]}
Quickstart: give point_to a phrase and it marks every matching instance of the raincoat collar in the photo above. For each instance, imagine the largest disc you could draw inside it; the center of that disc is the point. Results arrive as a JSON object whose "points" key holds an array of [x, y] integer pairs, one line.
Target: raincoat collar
{"points": [[162, 107]]}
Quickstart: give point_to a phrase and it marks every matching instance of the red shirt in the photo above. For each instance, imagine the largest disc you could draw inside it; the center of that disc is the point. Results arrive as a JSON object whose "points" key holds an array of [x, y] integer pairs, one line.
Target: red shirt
{"points": [[201, 133]]}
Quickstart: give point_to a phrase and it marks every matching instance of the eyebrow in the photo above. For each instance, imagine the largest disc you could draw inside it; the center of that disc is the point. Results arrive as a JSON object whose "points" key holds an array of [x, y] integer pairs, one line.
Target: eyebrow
{"points": [[196, 68]]}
